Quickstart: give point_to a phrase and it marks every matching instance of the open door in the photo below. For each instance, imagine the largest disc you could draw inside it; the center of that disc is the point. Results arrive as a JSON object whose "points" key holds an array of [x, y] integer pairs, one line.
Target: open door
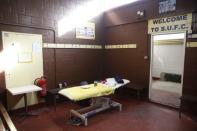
{"points": [[167, 67]]}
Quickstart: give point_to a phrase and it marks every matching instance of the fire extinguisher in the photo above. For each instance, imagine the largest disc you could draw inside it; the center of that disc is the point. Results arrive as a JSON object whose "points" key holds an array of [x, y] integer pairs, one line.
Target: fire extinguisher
{"points": [[41, 82]]}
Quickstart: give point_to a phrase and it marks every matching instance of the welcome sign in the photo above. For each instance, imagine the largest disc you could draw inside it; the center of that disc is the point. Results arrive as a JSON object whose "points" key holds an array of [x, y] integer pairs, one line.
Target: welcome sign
{"points": [[170, 24]]}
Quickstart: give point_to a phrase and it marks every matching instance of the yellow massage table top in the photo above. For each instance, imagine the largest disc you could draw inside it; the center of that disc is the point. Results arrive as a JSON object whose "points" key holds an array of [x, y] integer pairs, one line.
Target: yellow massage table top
{"points": [[87, 91]]}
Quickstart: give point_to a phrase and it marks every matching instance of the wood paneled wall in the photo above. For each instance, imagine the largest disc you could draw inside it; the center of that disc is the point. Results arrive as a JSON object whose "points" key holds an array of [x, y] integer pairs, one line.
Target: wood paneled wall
{"points": [[123, 26], [120, 25], [84, 65], [72, 65], [129, 63], [190, 70], [128, 14]]}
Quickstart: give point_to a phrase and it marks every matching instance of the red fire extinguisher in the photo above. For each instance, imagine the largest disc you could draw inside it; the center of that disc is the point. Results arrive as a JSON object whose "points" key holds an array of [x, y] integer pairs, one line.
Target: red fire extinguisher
{"points": [[41, 82]]}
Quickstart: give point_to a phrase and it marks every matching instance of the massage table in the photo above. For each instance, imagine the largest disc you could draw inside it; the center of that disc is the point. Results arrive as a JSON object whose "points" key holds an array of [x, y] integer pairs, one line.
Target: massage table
{"points": [[96, 93]]}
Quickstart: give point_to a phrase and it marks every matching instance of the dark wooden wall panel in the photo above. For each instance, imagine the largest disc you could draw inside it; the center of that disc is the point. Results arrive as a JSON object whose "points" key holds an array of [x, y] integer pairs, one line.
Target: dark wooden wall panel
{"points": [[85, 65], [46, 14], [190, 72], [190, 77], [49, 67], [128, 13], [123, 26], [129, 63]]}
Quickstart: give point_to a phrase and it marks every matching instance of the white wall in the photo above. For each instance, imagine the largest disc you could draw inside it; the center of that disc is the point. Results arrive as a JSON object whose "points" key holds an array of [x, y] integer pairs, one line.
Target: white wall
{"points": [[23, 64], [167, 58]]}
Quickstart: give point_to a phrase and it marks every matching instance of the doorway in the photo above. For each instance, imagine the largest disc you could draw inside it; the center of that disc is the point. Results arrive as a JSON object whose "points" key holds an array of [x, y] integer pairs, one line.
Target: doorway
{"points": [[167, 67]]}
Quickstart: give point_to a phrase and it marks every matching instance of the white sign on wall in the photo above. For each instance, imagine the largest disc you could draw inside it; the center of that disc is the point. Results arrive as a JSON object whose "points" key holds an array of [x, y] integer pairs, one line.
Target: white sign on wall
{"points": [[23, 62], [172, 24], [86, 31], [167, 6]]}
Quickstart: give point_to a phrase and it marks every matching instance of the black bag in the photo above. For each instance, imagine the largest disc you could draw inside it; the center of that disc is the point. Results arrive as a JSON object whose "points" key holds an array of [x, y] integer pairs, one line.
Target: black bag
{"points": [[118, 79], [173, 77]]}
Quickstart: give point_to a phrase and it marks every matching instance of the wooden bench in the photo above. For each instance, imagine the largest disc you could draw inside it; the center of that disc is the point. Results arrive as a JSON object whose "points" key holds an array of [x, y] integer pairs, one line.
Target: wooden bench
{"points": [[2, 127], [9, 125], [137, 88]]}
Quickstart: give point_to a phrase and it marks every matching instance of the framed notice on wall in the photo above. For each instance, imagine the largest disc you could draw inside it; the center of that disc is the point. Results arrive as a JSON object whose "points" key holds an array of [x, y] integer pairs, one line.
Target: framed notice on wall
{"points": [[167, 6], [86, 31], [24, 57]]}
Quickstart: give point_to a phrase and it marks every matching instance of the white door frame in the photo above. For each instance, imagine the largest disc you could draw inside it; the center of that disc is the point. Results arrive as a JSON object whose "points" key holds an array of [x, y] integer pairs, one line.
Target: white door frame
{"points": [[151, 59]]}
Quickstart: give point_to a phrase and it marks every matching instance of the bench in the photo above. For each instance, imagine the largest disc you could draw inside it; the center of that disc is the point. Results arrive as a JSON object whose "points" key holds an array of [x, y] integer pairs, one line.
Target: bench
{"points": [[2, 127], [137, 88], [9, 125]]}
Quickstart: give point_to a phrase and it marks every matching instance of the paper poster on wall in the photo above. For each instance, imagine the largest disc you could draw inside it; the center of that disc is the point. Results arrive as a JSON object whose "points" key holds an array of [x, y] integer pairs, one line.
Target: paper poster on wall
{"points": [[25, 57], [167, 6], [86, 31], [172, 24], [36, 47]]}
